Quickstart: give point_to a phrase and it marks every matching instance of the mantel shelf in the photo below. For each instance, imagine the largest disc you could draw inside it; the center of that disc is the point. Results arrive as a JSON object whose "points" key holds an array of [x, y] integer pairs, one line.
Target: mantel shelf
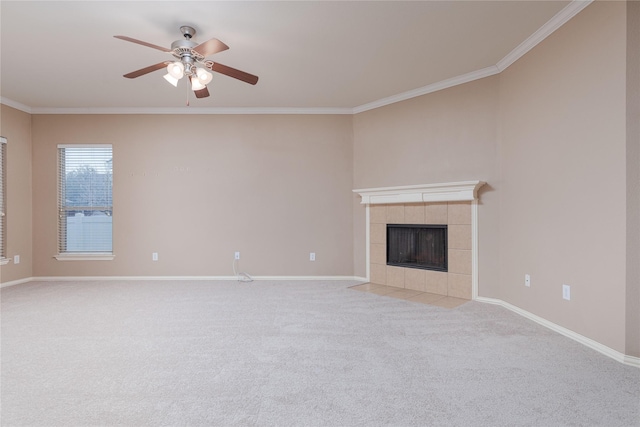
{"points": [[443, 192]]}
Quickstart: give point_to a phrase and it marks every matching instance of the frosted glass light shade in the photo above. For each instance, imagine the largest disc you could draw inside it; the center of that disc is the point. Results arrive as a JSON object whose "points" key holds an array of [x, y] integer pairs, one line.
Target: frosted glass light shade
{"points": [[204, 76], [176, 69], [196, 84], [171, 79]]}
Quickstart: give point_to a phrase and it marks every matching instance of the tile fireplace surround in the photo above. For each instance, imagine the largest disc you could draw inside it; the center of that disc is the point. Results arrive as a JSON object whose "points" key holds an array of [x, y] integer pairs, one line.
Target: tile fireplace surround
{"points": [[454, 204]]}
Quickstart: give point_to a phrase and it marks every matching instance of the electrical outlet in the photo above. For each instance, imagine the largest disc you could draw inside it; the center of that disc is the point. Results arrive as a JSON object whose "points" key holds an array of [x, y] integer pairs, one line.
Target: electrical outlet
{"points": [[154, 256], [527, 280], [566, 292], [237, 255], [312, 256], [16, 259]]}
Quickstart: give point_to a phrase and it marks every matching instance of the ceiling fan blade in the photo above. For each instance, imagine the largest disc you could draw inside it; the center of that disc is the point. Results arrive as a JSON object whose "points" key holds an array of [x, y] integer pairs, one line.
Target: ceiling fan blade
{"points": [[202, 93], [146, 70], [210, 47], [236, 74], [129, 39]]}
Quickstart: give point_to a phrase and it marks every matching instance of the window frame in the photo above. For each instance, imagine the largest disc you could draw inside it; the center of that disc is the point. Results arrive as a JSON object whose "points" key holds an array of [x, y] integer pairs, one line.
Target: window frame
{"points": [[63, 254]]}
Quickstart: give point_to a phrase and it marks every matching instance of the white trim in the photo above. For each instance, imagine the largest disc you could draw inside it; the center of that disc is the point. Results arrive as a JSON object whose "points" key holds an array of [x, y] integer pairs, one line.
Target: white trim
{"points": [[84, 257], [631, 361], [443, 192], [3, 140], [85, 145], [594, 345], [4, 261], [197, 110], [16, 282], [561, 18], [434, 87], [474, 249], [13, 104], [367, 240], [194, 278]]}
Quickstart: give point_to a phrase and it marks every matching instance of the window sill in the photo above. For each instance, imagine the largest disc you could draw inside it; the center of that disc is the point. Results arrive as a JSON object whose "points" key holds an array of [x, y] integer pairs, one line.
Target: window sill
{"points": [[84, 257], [4, 261]]}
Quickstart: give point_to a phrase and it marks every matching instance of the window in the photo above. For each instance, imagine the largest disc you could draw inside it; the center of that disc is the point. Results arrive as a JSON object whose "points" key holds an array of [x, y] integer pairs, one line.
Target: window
{"points": [[85, 181], [3, 200]]}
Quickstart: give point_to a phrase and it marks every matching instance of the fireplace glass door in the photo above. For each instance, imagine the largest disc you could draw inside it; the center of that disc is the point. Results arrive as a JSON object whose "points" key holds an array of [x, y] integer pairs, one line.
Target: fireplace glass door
{"points": [[417, 246]]}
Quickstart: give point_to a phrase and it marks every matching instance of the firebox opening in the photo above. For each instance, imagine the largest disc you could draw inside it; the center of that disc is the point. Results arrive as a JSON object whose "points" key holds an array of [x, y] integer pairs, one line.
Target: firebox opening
{"points": [[417, 246]]}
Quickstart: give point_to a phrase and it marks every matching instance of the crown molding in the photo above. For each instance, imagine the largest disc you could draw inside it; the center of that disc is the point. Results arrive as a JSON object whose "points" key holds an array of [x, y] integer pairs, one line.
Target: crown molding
{"points": [[194, 110], [13, 104], [560, 18], [444, 84]]}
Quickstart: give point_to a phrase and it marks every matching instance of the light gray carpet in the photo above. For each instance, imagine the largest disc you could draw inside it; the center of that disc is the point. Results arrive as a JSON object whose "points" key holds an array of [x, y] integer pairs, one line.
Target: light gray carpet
{"points": [[290, 354]]}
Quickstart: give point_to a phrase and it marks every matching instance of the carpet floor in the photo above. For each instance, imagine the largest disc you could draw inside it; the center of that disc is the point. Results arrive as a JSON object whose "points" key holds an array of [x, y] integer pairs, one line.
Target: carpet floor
{"points": [[226, 353]]}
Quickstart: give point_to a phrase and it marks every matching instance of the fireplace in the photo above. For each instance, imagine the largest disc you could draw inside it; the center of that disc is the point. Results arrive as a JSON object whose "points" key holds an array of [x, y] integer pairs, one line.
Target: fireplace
{"points": [[453, 205], [421, 246]]}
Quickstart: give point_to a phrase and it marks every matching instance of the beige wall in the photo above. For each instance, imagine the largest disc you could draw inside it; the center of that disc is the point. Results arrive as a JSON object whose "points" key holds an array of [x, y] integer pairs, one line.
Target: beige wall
{"points": [[562, 157], [633, 179], [15, 125], [196, 189], [549, 136], [446, 136]]}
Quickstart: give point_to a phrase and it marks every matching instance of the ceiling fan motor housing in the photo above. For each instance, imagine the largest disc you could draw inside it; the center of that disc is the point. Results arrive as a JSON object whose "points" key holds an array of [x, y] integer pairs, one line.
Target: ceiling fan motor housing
{"points": [[183, 50]]}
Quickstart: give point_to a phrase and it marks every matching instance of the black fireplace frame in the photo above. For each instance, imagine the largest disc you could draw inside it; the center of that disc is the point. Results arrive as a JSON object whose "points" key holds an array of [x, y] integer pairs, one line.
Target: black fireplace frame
{"points": [[441, 267]]}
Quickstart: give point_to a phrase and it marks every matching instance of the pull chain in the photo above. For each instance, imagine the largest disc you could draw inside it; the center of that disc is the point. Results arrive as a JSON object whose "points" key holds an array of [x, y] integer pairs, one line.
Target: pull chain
{"points": [[187, 94]]}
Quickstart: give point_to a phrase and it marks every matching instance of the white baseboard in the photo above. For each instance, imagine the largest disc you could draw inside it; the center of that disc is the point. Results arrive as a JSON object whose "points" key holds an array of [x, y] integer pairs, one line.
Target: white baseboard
{"points": [[594, 345], [108, 278], [632, 361], [16, 282]]}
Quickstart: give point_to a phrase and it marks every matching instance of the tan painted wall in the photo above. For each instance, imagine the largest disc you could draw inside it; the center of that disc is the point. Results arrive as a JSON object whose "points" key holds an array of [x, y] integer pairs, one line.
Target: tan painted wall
{"points": [[633, 179], [197, 188], [446, 136], [549, 136], [15, 125], [563, 192]]}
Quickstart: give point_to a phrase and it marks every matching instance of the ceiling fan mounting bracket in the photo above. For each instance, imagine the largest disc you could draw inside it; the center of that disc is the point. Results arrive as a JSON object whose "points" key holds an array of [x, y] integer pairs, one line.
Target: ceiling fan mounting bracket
{"points": [[187, 31]]}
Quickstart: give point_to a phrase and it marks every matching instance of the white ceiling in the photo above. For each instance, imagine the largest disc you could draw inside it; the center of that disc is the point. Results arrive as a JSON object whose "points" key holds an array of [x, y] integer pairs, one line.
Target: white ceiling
{"points": [[314, 55]]}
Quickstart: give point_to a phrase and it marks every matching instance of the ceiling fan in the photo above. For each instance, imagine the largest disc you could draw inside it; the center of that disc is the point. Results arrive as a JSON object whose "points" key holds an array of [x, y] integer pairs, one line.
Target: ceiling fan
{"points": [[191, 62]]}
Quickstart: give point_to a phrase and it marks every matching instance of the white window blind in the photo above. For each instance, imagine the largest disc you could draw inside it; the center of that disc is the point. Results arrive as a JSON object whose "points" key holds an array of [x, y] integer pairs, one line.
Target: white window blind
{"points": [[85, 181], [3, 200]]}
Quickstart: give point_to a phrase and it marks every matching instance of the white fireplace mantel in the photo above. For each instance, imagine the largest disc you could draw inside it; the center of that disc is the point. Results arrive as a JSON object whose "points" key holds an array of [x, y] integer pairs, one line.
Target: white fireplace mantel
{"points": [[444, 192]]}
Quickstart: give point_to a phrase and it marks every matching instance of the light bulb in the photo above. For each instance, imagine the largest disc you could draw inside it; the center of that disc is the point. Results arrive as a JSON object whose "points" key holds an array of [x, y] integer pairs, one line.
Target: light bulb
{"points": [[171, 79], [204, 76], [196, 84], [176, 69]]}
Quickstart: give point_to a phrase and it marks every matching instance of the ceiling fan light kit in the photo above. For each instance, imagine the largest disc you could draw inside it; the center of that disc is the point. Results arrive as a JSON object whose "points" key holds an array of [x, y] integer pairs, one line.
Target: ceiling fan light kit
{"points": [[168, 77], [189, 55]]}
